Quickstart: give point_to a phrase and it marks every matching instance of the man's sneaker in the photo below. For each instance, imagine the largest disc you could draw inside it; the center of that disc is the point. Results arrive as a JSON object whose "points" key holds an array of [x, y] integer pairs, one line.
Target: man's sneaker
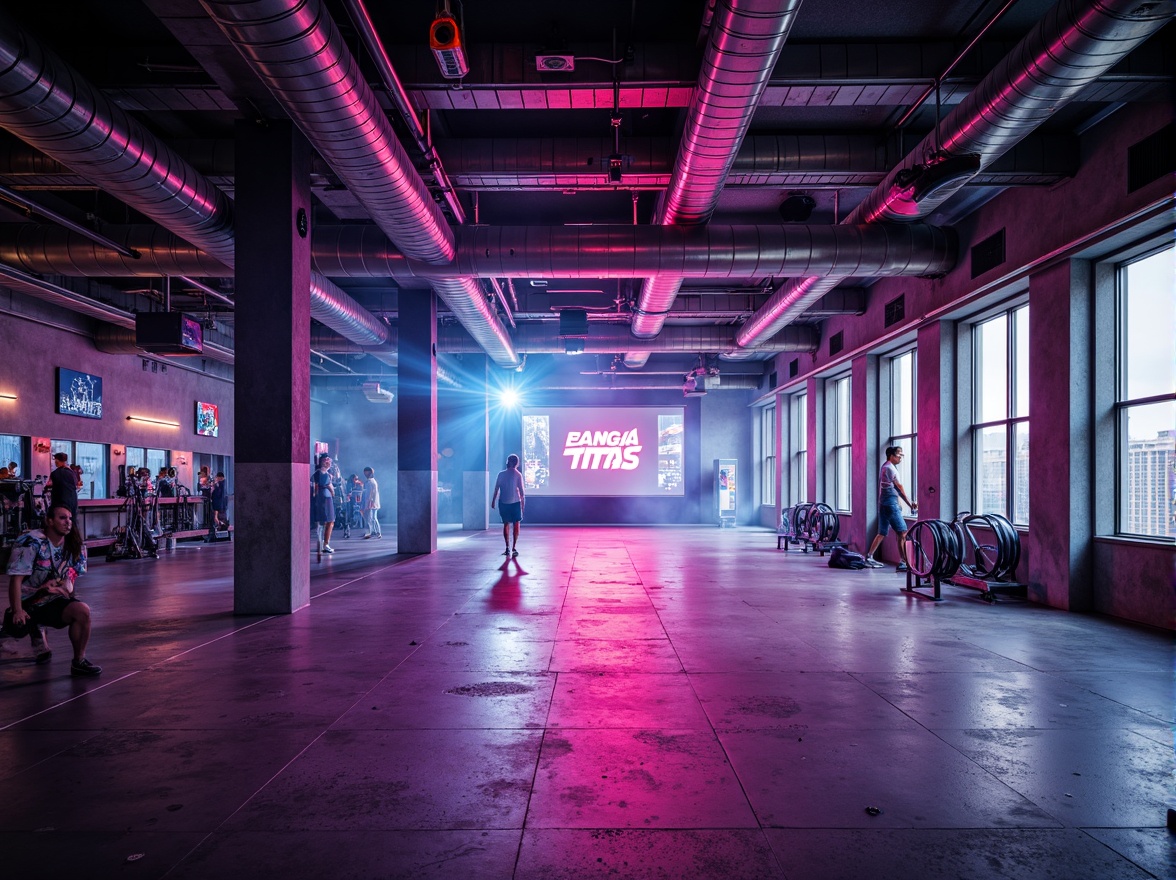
{"points": [[874, 563], [327, 548], [365, 537], [506, 552], [514, 553], [902, 566], [84, 667]]}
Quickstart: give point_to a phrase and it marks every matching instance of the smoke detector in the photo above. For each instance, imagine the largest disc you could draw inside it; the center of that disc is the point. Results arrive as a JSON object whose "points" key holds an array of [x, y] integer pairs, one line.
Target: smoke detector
{"points": [[555, 63], [373, 392]]}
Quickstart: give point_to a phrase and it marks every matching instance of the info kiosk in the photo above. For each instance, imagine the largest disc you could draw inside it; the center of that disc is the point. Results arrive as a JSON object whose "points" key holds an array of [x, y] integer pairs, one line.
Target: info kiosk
{"points": [[725, 491]]}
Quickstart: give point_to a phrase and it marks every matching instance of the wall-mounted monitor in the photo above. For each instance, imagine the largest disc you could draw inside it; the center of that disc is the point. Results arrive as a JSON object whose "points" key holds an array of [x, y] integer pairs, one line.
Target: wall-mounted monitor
{"points": [[603, 451], [207, 419], [79, 394], [171, 333]]}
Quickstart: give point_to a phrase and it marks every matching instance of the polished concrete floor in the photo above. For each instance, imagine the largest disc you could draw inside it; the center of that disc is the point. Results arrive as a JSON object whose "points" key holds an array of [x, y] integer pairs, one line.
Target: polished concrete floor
{"points": [[617, 702]]}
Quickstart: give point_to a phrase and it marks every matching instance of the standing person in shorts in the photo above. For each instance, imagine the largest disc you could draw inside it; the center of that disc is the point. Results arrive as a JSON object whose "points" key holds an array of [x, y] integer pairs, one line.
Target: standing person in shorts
{"points": [[41, 574], [322, 502], [510, 486], [890, 490]]}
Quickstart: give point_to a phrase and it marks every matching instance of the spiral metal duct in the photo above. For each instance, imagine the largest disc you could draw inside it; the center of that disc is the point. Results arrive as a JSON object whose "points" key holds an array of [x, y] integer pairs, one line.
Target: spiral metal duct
{"points": [[611, 338], [47, 104], [713, 252], [298, 52], [1076, 42], [746, 37]]}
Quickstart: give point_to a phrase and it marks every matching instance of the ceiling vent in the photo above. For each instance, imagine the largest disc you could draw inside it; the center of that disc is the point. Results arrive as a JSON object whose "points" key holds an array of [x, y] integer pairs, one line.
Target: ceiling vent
{"points": [[573, 322], [555, 63], [373, 392]]}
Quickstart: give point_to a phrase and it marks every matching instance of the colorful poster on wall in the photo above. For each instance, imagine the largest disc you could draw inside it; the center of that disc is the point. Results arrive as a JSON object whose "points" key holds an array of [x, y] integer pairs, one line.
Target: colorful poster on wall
{"points": [[207, 419], [79, 394]]}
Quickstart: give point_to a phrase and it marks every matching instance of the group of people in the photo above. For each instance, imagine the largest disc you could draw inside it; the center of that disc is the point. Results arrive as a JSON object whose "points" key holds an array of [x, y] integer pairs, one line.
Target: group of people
{"points": [[326, 484]]}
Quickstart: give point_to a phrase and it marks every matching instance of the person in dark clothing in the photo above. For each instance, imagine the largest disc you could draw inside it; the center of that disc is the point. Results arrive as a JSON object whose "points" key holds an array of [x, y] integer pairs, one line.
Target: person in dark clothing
{"points": [[220, 501], [64, 484]]}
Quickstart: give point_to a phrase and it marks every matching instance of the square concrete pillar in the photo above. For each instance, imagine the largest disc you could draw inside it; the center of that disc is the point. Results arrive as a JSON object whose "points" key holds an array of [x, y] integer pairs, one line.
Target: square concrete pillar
{"points": [[271, 397], [416, 423]]}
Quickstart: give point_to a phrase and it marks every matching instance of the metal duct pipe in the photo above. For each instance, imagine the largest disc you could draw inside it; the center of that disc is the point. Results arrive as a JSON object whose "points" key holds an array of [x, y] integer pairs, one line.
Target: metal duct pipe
{"points": [[116, 338], [715, 252], [46, 103], [57, 251], [611, 338], [746, 37], [699, 252], [296, 49], [727, 382], [1076, 42]]}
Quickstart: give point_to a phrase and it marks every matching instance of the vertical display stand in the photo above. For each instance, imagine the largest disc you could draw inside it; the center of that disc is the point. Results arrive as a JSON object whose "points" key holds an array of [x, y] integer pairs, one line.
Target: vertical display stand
{"points": [[726, 491]]}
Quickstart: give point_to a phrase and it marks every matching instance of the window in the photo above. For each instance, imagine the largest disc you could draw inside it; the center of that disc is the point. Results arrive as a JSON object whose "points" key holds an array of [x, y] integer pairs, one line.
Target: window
{"points": [[798, 449], [768, 451], [12, 449], [92, 459], [841, 447], [1000, 415], [1146, 399], [902, 417]]}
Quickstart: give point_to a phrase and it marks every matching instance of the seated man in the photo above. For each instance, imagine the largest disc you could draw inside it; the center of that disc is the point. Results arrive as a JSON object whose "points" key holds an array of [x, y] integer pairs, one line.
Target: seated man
{"points": [[42, 570]]}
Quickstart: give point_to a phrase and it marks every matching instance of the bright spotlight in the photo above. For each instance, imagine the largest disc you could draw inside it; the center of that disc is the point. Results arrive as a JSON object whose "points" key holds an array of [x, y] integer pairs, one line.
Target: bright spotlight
{"points": [[509, 397]]}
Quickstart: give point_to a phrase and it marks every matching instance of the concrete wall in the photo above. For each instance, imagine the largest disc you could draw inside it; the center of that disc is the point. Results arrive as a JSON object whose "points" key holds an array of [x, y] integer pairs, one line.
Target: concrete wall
{"points": [[36, 340]]}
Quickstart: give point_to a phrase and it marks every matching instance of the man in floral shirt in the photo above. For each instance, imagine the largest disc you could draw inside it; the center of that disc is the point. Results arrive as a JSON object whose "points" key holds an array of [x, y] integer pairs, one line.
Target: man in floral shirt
{"points": [[42, 570]]}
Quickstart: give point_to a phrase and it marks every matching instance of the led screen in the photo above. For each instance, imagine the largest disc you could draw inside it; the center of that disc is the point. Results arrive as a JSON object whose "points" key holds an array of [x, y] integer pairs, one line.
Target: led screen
{"points": [[601, 450], [207, 420]]}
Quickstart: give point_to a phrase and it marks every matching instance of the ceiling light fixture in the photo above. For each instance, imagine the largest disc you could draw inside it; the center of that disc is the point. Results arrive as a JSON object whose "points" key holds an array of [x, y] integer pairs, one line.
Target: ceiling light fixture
{"points": [[149, 421]]}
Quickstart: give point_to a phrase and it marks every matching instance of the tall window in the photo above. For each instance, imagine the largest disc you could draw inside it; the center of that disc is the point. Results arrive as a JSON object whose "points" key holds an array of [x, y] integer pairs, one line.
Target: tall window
{"points": [[841, 445], [12, 449], [902, 418], [798, 448], [768, 451], [1147, 397], [1000, 426], [92, 458]]}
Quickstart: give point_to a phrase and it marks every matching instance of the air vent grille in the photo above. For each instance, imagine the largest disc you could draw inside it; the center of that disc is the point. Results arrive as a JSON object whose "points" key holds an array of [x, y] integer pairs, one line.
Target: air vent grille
{"points": [[988, 254], [896, 310], [836, 342], [794, 368], [1151, 158]]}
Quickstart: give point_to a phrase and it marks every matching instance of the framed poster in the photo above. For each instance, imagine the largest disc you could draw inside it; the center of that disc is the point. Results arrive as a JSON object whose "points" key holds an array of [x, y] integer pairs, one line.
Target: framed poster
{"points": [[207, 419], [79, 394]]}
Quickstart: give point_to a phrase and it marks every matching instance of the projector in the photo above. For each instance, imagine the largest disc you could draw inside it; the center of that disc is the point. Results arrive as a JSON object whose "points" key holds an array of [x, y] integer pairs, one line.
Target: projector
{"points": [[445, 41], [555, 63], [373, 392]]}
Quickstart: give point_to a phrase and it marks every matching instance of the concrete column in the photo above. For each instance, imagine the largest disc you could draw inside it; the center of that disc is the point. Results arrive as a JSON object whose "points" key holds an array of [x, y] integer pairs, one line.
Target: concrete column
{"points": [[935, 420], [1061, 473], [815, 429], [475, 478], [416, 423], [271, 565]]}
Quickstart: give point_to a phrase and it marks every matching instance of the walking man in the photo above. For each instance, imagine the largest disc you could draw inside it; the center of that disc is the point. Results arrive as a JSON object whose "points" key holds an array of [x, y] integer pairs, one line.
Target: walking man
{"points": [[890, 490], [510, 485]]}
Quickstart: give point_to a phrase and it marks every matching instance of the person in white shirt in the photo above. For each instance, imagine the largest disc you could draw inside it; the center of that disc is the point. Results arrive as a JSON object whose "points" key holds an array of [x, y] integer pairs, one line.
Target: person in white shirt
{"points": [[890, 490], [371, 503], [510, 486]]}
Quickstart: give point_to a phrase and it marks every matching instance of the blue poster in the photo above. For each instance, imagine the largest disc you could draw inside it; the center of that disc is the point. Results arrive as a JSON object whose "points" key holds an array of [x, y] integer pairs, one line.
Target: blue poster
{"points": [[79, 394]]}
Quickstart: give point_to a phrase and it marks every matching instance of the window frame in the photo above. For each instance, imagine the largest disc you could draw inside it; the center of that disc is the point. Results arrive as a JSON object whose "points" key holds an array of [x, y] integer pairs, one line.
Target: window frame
{"points": [[797, 448], [1013, 420], [768, 454], [839, 401], [99, 477], [1123, 405], [908, 469]]}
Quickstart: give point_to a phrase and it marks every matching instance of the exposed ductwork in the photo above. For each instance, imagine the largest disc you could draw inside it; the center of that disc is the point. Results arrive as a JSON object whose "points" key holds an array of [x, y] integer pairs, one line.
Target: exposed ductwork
{"points": [[744, 44], [298, 52], [46, 103], [713, 252], [601, 339], [1076, 42]]}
